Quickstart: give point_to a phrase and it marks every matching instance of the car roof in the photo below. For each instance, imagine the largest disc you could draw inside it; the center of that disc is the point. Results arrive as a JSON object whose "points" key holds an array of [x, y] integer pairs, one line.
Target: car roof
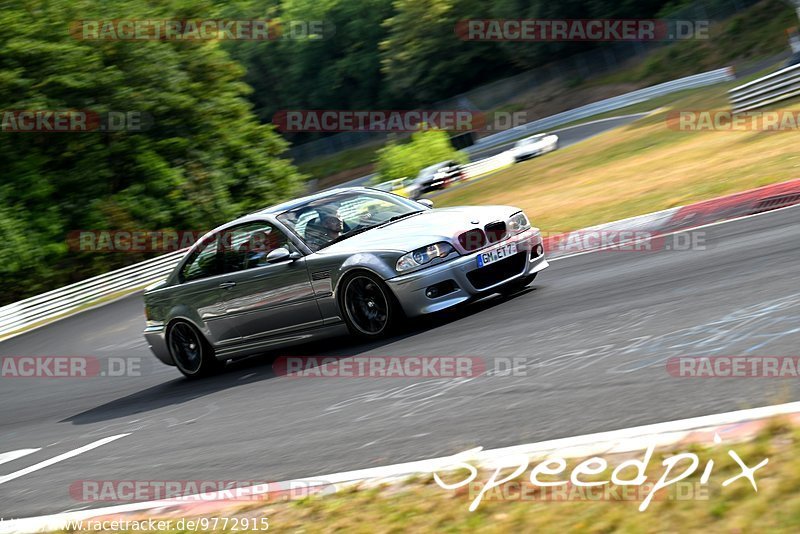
{"points": [[297, 202], [274, 211]]}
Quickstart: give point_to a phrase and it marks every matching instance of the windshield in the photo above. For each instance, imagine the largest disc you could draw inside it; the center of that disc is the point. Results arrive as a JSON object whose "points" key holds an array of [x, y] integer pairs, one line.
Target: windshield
{"points": [[530, 140], [430, 171], [322, 221]]}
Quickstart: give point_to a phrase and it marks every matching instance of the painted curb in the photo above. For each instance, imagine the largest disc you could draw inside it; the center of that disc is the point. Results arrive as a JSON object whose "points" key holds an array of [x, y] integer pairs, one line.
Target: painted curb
{"points": [[652, 225]]}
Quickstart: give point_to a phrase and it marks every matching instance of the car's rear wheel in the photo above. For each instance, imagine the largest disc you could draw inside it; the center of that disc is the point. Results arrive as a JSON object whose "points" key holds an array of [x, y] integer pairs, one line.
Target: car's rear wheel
{"points": [[370, 309], [518, 285], [191, 353]]}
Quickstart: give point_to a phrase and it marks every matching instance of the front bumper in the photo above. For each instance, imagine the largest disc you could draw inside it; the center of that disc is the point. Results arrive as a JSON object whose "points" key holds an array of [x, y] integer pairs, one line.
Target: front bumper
{"points": [[411, 289]]}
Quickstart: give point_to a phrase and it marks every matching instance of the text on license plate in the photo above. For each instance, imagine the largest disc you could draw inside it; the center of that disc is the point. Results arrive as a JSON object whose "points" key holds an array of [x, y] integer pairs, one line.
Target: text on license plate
{"points": [[491, 256]]}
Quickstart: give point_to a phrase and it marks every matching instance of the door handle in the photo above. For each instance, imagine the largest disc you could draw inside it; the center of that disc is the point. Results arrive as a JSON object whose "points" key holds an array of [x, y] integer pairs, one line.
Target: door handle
{"points": [[226, 285]]}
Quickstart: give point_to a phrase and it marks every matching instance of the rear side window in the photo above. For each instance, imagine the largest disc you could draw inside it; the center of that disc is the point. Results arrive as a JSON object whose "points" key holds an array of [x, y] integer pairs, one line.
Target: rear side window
{"points": [[204, 261]]}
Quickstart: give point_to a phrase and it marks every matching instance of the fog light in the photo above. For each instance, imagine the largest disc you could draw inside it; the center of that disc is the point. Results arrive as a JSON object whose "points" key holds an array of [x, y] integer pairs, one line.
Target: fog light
{"points": [[441, 289], [537, 251]]}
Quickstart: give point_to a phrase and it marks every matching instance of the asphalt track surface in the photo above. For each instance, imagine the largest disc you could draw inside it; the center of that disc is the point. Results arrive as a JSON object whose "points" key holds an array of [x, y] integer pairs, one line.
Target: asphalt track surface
{"points": [[595, 330]]}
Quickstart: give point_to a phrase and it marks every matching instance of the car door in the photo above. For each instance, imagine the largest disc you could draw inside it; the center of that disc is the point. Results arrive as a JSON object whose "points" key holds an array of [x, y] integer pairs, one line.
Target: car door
{"points": [[198, 296], [262, 298]]}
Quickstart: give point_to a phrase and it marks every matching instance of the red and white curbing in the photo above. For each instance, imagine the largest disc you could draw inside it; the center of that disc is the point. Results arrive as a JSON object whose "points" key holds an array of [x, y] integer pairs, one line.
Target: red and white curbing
{"points": [[755, 201], [732, 427]]}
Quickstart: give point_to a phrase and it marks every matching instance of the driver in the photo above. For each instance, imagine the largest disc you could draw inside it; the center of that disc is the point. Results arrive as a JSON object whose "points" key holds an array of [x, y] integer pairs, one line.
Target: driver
{"points": [[328, 228], [333, 226]]}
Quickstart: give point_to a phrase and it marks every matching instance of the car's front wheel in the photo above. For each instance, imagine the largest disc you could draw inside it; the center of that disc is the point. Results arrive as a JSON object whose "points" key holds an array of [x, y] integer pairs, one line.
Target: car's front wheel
{"points": [[192, 354], [370, 309]]}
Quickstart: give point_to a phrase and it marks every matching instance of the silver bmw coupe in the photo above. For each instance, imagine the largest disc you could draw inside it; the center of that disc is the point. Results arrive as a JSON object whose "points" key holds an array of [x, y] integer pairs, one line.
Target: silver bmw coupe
{"points": [[355, 257]]}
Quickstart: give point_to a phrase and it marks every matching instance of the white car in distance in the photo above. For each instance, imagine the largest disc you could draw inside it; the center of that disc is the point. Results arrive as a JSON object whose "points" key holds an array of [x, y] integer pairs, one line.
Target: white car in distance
{"points": [[533, 146]]}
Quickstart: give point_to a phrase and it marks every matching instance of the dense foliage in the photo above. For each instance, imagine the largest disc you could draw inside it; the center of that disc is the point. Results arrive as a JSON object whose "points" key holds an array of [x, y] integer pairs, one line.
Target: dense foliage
{"points": [[399, 54], [426, 147], [204, 159]]}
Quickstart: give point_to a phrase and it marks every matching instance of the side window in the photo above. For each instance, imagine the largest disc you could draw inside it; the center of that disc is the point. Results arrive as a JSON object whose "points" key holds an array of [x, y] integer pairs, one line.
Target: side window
{"points": [[204, 262], [247, 246]]}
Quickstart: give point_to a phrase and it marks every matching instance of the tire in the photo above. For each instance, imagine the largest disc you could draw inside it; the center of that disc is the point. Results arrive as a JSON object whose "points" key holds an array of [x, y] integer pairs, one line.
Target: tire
{"points": [[517, 285], [369, 307], [191, 353]]}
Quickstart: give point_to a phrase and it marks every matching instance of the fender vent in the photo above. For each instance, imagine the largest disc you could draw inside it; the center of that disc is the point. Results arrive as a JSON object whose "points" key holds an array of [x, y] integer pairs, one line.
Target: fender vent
{"points": [[320, 275]]}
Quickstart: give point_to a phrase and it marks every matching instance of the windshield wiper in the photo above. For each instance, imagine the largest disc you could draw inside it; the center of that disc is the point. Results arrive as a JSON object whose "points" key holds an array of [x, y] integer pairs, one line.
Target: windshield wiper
{"points": [[401, 216], [364, 229], [351, 233]]}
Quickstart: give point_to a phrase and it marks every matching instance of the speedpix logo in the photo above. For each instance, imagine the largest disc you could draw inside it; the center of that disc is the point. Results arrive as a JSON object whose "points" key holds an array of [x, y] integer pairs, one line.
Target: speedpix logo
{"points": [[68, 367]]}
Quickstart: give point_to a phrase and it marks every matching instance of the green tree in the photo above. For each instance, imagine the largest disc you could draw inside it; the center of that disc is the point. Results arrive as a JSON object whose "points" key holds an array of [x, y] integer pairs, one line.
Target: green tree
{"points": [[204, 159], [405, 160], [423, 60]]}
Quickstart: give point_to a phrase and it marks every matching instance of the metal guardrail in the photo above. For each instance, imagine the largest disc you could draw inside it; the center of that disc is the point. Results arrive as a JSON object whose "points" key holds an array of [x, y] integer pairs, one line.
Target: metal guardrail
{"points": [[610, 104], [40, 309], [60, 302], [775, 87], [486, 165]]}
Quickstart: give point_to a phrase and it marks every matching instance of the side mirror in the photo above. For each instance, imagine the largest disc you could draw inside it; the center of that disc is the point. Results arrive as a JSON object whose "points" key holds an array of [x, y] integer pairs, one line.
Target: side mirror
{"points": [[428, 203], [281, 254]]}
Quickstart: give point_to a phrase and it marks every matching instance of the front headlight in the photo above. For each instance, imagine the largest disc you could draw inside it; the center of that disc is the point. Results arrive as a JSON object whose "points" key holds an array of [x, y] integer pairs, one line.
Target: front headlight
{"points": [[424, 255], [518, 223]]}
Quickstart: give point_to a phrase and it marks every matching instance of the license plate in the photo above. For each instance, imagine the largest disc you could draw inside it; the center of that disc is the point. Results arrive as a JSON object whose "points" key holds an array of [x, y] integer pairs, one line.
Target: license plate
{"points": [[491, 256]]}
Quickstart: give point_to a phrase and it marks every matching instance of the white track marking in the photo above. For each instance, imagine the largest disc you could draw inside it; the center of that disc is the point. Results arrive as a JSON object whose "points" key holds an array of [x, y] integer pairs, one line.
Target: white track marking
{"points": [[591, 444], [59, 458], [13, 455]]}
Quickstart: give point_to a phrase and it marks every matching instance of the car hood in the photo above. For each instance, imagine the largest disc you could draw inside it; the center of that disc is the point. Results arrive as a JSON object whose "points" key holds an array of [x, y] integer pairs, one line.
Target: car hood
{"points": [[430, 226]]}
